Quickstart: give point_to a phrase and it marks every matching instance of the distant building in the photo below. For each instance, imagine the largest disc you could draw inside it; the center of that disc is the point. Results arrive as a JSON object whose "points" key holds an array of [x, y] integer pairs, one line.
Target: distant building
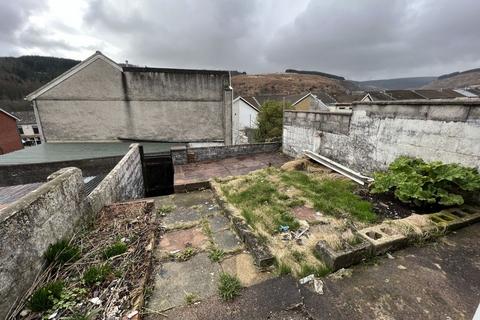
{"points": [[99, 100], [9, 137], [28, 128], [467, 93], [244, 116], [309, 102], [376, 96]]}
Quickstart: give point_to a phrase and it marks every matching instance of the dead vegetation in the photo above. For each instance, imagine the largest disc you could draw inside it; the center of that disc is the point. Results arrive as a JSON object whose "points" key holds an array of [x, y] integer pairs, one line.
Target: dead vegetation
{"points": [[107, 276], [268, 200]]}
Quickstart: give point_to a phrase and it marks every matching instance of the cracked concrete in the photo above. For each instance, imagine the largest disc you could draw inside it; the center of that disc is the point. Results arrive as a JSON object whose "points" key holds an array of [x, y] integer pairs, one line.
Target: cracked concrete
{"points": [[438, 280]]}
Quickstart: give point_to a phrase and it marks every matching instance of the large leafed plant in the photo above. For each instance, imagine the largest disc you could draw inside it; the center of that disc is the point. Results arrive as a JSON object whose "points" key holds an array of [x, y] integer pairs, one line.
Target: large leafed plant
{"points": [[421, 183]]}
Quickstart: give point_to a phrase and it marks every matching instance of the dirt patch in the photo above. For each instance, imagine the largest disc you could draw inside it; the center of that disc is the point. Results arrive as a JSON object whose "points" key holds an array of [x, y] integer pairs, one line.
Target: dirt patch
{"points": [[119, 291], [387, 207]]}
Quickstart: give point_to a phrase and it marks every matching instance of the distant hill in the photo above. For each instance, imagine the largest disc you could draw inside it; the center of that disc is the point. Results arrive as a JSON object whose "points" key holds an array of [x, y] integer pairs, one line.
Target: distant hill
{"points": [[396, 84], [22, 75], [456, 80], [316, 73], [287, 84]]}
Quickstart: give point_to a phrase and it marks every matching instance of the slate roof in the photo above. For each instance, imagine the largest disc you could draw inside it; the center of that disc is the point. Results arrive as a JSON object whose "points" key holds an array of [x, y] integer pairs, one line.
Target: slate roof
{"points": [[452, 94], [275, 97], [324, 97], [474, 91], [404, 95], [253, 102], [26, 117], [433, 94], [379, 96], [348, 98]]}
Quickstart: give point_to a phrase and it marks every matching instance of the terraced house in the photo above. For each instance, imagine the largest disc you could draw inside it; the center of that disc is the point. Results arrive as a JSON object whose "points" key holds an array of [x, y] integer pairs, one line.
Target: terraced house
{"points": [[99, 100]]}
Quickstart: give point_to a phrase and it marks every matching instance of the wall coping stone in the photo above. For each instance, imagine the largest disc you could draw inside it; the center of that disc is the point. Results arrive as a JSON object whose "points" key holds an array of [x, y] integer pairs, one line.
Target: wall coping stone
{"points": [[474, 102], [343, 113]]}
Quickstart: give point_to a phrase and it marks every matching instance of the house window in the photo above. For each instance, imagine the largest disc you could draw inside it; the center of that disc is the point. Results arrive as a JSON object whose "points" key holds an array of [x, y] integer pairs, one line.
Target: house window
{"points": [[20, 130], [35, 130]]}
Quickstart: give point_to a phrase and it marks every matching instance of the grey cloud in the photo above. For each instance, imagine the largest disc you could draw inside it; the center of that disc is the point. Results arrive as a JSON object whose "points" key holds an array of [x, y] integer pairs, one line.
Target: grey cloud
{"points": [[357, 39], [376, 38]]}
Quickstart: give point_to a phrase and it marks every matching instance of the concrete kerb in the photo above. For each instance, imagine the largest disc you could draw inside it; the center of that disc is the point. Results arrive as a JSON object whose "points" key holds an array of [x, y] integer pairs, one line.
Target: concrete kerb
{"points": [[261, 253]]}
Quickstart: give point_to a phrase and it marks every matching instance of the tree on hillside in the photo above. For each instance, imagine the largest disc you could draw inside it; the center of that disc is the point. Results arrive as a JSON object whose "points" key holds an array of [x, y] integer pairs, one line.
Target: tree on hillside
{"points": [[270, 121]]}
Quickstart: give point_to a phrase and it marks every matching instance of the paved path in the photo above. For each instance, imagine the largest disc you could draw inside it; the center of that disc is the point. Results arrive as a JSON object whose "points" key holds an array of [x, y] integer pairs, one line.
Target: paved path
{"points": [[439, 280], [203, 171], [196, 223]]}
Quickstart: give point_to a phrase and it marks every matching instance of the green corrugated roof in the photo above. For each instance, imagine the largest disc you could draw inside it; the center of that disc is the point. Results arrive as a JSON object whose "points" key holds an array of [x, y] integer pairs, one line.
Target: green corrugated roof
{"points": [[54, 152]]}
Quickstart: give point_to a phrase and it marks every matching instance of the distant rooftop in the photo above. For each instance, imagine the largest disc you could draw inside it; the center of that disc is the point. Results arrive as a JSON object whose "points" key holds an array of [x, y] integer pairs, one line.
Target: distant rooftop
{"points": [[55, 152]]}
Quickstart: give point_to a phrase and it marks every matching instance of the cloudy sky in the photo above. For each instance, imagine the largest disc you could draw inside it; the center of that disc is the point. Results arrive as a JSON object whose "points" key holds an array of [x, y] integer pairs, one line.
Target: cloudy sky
{"points": [[358, 39]]}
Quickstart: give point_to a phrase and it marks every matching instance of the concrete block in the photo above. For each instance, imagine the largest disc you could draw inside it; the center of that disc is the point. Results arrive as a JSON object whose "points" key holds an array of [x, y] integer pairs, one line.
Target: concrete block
{"points": [[383, 238], [344, 258], [456, 218]]}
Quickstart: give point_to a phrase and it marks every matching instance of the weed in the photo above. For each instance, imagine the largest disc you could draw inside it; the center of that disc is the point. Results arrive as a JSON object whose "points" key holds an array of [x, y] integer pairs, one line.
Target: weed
{"points": [[115, 249], [96, 274], [61, 252], [186, 254], [43, 298], [216, 254], [332, 196], [229, 286], [283, 269], [164, 209], [318, 270], [298, 256], [292, 203], [206, 227], [191, 298]]}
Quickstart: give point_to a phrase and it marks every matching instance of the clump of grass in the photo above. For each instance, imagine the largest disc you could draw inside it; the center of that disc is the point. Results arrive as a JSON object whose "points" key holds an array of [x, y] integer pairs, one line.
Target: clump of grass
{"points": [[229, 286], [297, 202], [191, 298], [332, 196], [317, 270], [216, 254], [166, 208], [298, 256], [96, 274], [283, 269], [44, 298], [186, 254], [61, 252], [115, 249]]}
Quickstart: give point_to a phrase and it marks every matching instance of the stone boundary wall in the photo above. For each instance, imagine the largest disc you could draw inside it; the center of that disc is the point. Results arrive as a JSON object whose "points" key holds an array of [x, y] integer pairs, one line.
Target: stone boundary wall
{"points": [[183, 155], [29, 225], [124, 182], [376, 133]]}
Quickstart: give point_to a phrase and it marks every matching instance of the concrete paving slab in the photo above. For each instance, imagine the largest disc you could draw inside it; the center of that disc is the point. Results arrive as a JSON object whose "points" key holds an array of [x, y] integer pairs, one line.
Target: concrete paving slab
{"points": [[272, 299], [227, 240], [219, 222], [174, 280], [180, 239], [242, 265], [181, 217]]}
